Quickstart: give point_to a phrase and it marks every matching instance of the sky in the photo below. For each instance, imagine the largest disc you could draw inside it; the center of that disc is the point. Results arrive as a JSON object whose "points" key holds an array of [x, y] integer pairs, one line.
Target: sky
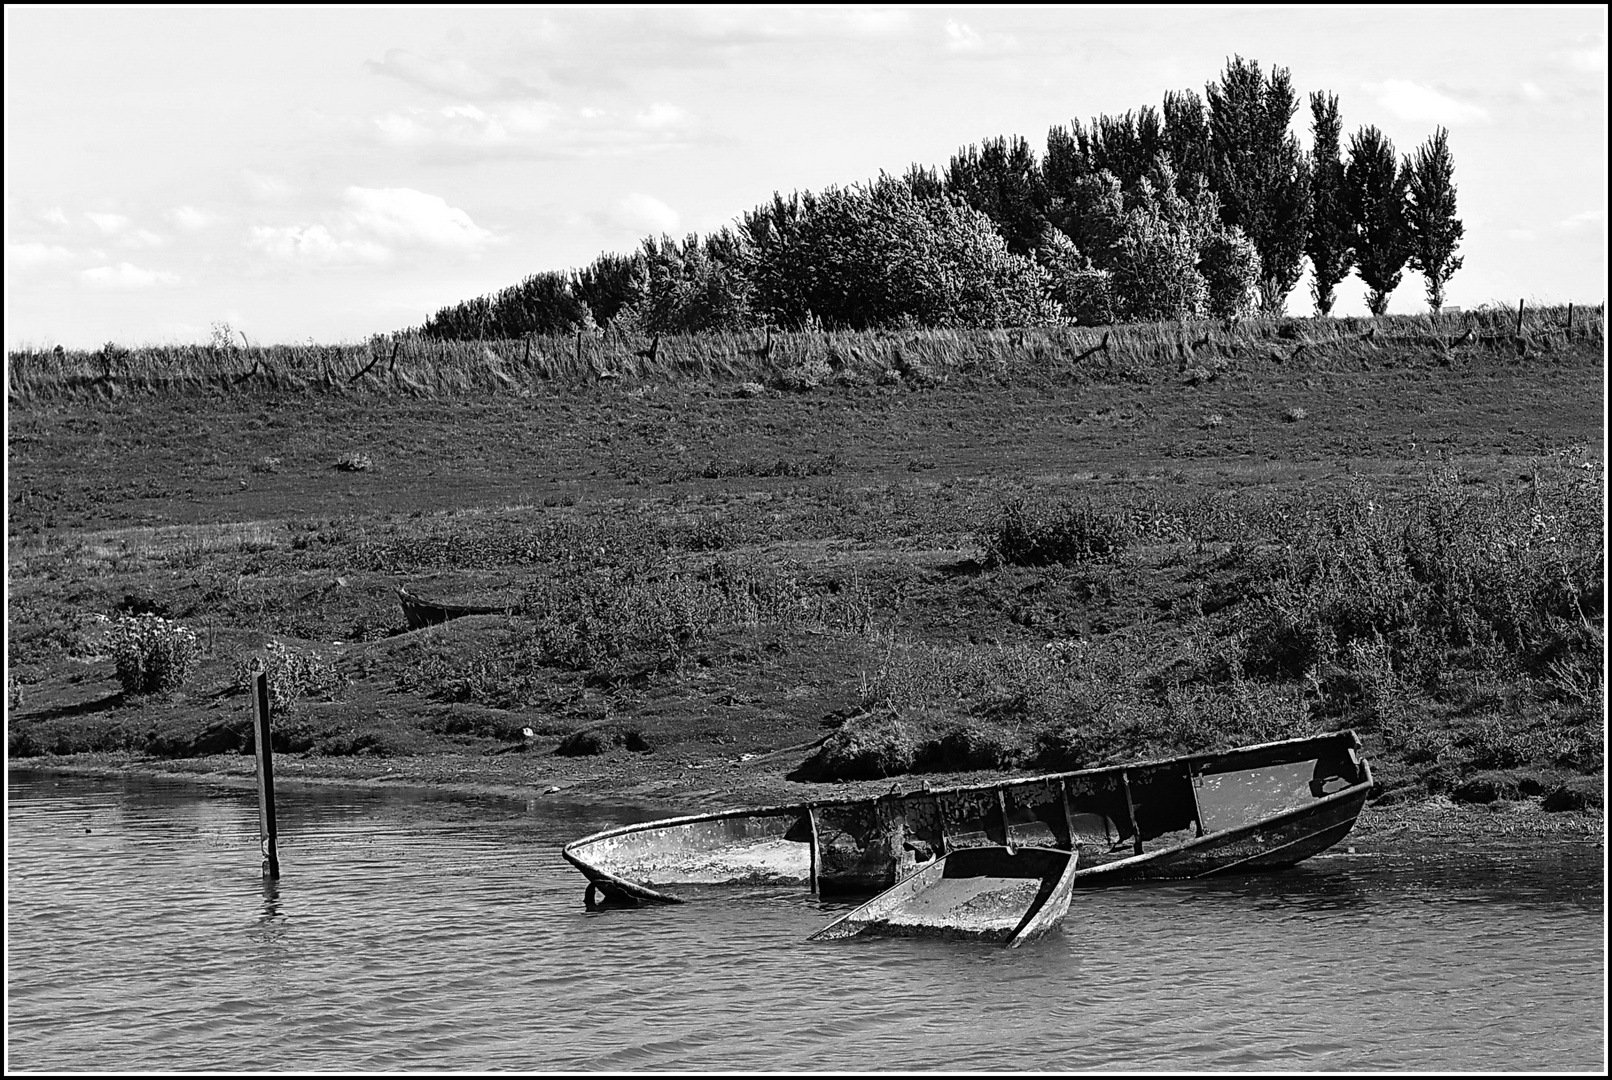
{"points": [[331, 173]]}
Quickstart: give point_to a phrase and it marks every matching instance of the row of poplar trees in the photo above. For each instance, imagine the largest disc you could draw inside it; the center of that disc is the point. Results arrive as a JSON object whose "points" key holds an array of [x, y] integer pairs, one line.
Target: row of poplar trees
{"points": [[1208, 207]]}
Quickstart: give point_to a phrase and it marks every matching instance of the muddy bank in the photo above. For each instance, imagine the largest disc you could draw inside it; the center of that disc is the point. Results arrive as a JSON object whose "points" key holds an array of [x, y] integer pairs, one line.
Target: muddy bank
{"points": [[693, 786]]}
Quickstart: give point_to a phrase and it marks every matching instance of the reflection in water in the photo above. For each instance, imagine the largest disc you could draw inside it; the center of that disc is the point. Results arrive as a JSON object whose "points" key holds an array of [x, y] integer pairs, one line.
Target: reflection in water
{"points": [[412, 931]]}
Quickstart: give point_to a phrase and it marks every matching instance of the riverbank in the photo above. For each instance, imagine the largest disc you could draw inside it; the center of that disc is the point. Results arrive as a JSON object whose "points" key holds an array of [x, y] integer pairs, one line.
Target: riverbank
{"points": [[691, 586], [694, 786]]}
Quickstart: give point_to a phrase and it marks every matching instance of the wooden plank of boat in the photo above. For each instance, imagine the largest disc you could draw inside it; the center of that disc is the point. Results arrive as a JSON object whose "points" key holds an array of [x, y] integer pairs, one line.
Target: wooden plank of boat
{"points": [[1251, 808], [994, 893], [420, 612]]}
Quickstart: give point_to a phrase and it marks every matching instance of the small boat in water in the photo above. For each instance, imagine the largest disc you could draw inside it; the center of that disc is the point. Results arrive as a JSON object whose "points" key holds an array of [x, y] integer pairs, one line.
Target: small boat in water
{"points": [[1252, 808], [993, 893]]}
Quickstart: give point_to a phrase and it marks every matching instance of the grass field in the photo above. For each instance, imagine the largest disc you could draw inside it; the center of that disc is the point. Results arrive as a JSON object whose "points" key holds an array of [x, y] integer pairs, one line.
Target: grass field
{"points": [[926, 551]]}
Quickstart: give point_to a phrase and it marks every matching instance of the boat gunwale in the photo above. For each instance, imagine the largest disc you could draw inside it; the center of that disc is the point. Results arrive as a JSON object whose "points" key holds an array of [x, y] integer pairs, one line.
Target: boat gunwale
{"points": [[1347, 735], [1361, 788]]}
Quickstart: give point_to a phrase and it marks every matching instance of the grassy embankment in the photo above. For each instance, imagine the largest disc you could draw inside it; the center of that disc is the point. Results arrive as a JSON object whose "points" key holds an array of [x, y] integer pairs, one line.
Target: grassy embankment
{"points": [[942, 551]]}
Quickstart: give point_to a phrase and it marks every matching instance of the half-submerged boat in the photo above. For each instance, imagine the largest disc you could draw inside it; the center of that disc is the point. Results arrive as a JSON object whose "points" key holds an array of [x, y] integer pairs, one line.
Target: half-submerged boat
{"points": [[1001, 894], [1252, 808]]}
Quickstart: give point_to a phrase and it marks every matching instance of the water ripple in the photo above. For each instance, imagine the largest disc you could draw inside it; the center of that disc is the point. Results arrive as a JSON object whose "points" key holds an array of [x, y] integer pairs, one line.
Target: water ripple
{"points": [[415, 932]]}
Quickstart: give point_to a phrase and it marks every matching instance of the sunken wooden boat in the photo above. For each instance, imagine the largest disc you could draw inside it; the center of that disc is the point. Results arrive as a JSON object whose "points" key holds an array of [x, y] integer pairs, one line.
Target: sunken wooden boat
{"points": [[991, 893], [1253, 808], [420, 612]]}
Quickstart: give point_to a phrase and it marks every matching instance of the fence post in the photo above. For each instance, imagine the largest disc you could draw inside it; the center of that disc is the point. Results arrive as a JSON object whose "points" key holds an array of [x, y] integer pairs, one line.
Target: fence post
{"points": [[1569, 320], [263, 735], [1519, 317]]}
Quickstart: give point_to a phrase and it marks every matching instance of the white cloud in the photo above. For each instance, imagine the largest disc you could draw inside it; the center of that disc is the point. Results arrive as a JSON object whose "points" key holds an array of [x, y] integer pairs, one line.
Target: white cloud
{"points": [[121, 229], [31, 254], [409, 218], [264, 187], [126, 276], [1412, 101], [1583, 221], [55, 216], [313, 245], [863, 22], [191, 219], [1533, 92], [960, 37], [532, 129], [371, 228], [450, 76], [1588, 58], [642, 215], [110, 224], [660, 117]]}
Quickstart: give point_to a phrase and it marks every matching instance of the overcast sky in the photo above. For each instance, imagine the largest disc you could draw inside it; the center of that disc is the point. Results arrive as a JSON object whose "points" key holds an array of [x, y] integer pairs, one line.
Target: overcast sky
{"points": [[332, 173]]}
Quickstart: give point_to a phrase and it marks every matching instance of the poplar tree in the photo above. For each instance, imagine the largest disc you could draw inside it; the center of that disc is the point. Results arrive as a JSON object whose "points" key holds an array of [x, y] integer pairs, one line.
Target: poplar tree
{"points": [[1258, 170], [1331, 257], [1435, 231], [1002, 180], [1376, 187]]}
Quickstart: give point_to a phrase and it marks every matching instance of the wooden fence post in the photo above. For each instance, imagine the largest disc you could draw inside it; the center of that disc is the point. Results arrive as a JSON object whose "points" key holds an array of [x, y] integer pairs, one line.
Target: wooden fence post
{"points": [[263, 735], [1519, 317]]}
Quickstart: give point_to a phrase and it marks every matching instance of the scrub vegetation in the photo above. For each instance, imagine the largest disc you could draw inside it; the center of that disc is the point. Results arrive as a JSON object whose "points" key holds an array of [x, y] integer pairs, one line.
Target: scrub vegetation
{"points": [[893, 552]]}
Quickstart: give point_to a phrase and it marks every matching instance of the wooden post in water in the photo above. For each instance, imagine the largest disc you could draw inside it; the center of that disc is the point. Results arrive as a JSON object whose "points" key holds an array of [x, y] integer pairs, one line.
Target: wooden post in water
{"points": [[263, 738], [811, 817]]}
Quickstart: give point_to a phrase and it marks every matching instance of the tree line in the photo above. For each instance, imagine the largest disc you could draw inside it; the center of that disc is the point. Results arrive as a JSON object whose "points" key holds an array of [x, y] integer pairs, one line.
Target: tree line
{"points": [[1209, 206]]}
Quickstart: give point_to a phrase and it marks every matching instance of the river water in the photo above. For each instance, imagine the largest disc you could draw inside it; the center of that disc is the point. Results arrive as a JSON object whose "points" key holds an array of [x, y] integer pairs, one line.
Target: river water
{"points": [[414, 931]]}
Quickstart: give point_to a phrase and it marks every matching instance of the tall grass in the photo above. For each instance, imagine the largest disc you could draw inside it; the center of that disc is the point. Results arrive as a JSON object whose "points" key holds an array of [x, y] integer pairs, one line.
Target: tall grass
{"points": [[797, 361]]}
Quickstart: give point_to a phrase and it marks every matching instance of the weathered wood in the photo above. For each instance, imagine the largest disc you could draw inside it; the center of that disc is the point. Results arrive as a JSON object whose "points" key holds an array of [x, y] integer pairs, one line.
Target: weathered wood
{"points": [[1274, 804], [1130, 809], [1068, 811], [1197, 810], [1519, 317], [263, 732], [989, 893], [811, 816]]}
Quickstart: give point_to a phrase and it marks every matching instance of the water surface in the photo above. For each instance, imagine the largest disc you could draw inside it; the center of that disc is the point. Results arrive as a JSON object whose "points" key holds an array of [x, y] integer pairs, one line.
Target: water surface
{"points": [[414, 931]]}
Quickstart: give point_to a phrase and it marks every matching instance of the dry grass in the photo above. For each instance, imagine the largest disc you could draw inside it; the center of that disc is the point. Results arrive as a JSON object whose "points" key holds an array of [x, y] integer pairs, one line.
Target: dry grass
{"points": [[800, 362]]}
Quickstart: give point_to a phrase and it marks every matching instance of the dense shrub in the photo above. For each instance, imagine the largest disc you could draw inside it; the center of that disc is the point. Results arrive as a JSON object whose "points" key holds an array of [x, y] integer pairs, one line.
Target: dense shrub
{"points": [[1062, 533], [294, 673], [868, 747], [1450, 578], [1230, 266], [1089, 298], [644, 615], [151, 653], [600, 740], [878, 254]]}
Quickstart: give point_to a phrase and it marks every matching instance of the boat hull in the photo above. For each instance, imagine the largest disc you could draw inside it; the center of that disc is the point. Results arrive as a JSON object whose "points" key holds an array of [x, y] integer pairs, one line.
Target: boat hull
{"points": [[997, 894], [419, 612], [1250, 809]]}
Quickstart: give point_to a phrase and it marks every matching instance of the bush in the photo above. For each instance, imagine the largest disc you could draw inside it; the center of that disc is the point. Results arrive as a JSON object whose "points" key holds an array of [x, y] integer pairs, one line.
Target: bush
{"points": [[1230, 266], [294, 673], [589, 742], [1068, 533], [151, 653], [1089, 297], [866, 748]]}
